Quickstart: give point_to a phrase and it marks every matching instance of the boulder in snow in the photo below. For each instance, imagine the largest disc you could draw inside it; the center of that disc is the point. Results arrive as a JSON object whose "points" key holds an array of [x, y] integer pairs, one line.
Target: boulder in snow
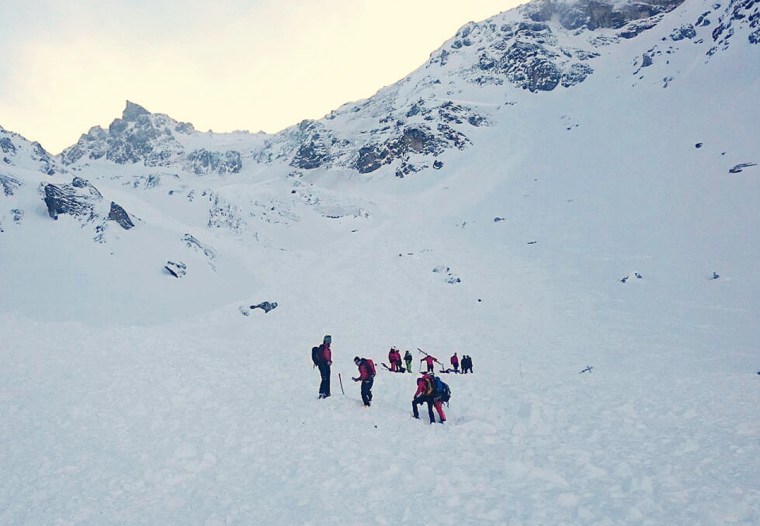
{"points": [[266, 306], [118, 214], [177, 269]]}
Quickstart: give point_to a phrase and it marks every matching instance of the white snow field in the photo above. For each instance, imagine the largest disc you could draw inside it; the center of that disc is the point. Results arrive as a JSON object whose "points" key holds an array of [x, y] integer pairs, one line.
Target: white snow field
{"points": [[130, 397]]}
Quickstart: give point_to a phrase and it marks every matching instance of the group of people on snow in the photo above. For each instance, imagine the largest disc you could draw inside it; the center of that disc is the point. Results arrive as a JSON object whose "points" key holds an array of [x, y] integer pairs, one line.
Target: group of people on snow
{"points": [[394, 358], [466, 363], [431, 390]]}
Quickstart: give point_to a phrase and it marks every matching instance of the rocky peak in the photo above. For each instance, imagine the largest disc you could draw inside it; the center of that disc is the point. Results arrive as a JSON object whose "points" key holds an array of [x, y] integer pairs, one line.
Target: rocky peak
{"points": [[137, 137], [133, 111], [151, 139]]}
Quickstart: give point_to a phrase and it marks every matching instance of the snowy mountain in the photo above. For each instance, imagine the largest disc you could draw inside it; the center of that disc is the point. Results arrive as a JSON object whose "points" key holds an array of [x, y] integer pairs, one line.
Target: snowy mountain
{"points": [[542, 46], [563, 185]]}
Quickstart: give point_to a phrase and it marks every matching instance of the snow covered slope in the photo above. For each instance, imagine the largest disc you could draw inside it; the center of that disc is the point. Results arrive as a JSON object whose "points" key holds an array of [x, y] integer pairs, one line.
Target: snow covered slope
{"points": [[568, 184]]}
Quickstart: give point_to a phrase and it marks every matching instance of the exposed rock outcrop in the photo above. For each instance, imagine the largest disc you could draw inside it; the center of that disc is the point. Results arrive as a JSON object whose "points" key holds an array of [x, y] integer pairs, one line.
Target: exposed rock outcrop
{"points": [[118, 214], [76, 199]]}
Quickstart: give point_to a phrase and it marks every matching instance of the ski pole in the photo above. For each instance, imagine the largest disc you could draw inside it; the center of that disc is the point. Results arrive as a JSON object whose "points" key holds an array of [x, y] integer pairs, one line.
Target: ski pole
{"points": [[340, 379]]}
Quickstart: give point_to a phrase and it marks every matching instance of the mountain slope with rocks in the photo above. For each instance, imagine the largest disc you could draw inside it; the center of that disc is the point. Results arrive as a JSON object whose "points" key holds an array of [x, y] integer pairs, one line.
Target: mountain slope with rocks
{"points": [[565, 192]]}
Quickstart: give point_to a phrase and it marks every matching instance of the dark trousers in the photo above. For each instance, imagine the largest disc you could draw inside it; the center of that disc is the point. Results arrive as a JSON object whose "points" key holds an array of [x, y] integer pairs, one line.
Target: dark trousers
{"points": [[430, 402], [367, 390], [421, 400], [324, 386]]}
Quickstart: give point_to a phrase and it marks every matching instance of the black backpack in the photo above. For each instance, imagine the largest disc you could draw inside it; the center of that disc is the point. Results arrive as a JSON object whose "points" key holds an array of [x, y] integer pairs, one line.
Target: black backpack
{"points": [[316, 355]]}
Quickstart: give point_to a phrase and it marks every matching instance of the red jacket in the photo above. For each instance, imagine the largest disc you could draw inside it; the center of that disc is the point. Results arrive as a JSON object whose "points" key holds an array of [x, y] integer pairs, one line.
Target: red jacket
{"points": [[326, 353], [454, 360], [366, 370], [429, 359]]}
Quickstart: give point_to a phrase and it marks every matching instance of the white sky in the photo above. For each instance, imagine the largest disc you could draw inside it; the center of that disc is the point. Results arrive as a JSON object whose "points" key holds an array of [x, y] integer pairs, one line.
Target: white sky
{"points": [[234, 64]]}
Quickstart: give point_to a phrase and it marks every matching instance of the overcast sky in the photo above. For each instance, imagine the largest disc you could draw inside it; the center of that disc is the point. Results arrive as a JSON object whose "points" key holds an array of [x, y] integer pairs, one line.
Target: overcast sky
{"points": [[226, 65]]}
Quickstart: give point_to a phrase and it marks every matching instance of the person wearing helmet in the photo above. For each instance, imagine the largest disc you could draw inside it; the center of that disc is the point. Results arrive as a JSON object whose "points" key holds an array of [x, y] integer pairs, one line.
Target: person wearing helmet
{"points": [[323, 361], [366, 377]]}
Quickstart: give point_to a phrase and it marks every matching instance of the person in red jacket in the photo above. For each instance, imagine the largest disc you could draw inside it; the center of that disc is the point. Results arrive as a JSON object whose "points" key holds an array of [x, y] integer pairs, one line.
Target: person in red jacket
{"points": [[323, 360], [455, 362], [426, 394], [429, 360], [392, 359], [399, 367], [366, 377]]}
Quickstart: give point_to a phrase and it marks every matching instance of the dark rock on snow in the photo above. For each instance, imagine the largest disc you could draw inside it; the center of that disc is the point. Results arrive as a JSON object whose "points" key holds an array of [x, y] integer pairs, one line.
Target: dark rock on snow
{"points": [[9, 184], [118, 214], [76, 199], [266, 306], [177, 269]]}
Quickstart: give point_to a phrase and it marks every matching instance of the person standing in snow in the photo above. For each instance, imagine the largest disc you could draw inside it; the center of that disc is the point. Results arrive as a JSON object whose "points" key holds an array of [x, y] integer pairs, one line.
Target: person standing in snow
{"points": [[392, 360], [429, 360], [399, 367], [408, 360], [322, 357], [466, 363], [366, 377], [426, 394], [455, 362]]}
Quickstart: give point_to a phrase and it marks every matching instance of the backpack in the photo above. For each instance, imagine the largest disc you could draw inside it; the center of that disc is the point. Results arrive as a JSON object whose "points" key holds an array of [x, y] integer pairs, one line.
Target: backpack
{"points": [[441, 390], [316, 355]]}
